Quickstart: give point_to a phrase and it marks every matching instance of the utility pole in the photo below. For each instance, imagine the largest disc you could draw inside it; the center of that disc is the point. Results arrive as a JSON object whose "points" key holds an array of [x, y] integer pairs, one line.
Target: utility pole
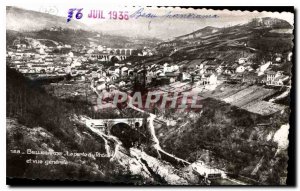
{"points": [[144, 73], [144, 77]]}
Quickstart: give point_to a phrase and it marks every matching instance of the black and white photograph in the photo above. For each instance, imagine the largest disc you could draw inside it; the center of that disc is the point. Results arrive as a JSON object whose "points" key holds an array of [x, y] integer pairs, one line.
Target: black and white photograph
{"points": [[149, 96]]}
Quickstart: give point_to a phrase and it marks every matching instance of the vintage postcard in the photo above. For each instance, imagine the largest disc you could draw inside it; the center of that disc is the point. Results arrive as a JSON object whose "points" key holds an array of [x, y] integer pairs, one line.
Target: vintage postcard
{"points": [[149, 95]]}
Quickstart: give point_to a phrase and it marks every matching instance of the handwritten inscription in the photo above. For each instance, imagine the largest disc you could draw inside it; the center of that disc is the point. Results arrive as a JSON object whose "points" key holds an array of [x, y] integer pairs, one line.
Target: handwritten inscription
{"points": [[141, 13], [71, 12], [125, 15]]}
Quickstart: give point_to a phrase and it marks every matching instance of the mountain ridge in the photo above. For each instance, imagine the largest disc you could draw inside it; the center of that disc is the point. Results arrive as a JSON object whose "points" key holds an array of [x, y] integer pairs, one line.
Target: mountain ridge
{"points": [[264, 21], [34, 20]]}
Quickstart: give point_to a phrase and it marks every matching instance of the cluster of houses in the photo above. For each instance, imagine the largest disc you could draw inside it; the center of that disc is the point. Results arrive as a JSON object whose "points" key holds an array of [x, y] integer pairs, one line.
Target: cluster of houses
{"points": [[202, 72], [160, 73], [30, 56], [82, 65], [276, 78]]}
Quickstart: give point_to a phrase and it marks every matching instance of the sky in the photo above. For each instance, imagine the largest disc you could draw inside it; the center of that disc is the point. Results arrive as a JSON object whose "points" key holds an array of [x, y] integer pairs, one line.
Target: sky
{"points": [[160, 26]]}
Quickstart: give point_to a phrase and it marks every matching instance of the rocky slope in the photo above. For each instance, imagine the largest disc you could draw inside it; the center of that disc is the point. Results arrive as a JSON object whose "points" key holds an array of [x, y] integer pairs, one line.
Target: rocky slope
{"points": [[241, 143], [40, 123], [119, 165]]}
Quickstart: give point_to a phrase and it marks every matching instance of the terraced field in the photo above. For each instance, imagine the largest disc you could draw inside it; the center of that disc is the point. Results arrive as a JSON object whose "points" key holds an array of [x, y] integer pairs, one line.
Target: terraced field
{"points": [[259, 94], [264, 107], [239, 95], [250, 98]]}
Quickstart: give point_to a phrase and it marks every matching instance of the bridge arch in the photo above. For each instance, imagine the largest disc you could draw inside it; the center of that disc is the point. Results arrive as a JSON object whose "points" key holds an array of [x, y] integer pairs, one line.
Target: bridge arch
{"points": [[126, 133], [118, 51], [115, 58], [122, 51]]}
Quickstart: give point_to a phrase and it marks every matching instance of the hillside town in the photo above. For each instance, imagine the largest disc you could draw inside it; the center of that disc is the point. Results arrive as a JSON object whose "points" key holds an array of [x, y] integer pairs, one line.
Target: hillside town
{"points": [[109, 69], [120, 108], [103, 64]]}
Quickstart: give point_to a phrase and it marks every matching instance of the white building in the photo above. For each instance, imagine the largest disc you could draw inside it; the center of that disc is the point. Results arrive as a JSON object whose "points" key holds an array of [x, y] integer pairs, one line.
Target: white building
{"points": [[100, 48], [122, 83], [209, 79], [240, 69], [170, 68], [242, 60], [75, 63], [263, 68], [278, 59], [42, 51], [71, 54]]}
